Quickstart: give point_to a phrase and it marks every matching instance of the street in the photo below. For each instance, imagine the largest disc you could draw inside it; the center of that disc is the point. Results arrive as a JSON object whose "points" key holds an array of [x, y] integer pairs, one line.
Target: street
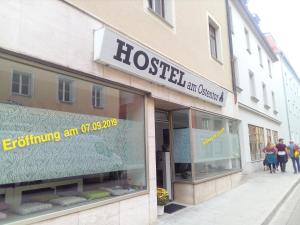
{"points": [[289, 211]]}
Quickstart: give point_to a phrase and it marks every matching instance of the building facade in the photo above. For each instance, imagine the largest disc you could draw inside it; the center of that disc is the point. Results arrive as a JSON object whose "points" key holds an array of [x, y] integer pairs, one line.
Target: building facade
{"points": [[101, 108], [290, 83], [259, 87]]}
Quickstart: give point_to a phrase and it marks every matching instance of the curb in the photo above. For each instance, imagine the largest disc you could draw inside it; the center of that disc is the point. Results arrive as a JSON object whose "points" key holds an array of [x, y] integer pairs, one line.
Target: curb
{"points": [[278, 205]]}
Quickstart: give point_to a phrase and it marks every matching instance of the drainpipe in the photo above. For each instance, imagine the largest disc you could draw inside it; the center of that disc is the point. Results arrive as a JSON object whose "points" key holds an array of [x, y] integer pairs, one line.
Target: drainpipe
{"points": [[229, 25]]}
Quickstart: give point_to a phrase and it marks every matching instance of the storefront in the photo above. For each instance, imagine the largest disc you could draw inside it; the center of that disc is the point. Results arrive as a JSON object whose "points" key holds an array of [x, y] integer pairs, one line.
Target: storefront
{"points": [[91, 139]]}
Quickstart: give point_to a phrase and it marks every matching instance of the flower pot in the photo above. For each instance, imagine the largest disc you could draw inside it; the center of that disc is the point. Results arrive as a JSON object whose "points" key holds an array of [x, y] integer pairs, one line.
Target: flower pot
{"points": [[160, 210]]}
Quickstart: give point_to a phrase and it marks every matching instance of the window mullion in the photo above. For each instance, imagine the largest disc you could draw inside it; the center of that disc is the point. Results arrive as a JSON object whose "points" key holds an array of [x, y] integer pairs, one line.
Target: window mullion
{"points": [[63, 91], [20, 84]]}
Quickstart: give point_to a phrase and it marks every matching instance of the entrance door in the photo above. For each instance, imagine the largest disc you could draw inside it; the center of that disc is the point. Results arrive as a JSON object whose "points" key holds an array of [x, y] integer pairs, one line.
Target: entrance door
{"points": [[163, 157]]}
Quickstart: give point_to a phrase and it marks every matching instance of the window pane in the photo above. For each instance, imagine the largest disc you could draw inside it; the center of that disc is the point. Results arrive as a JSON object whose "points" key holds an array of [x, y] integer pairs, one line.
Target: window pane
{"points": [[60, 90], [216, 145], [25, 84], [182, 148], [159, 7], [15, 82], [212, 39], [150, 2], [93, 96], [68, 150], [257, 143]]}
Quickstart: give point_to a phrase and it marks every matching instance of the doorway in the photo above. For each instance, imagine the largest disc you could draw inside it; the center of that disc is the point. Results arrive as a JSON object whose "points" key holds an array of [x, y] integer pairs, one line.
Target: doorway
{"points": [[162, 146]]}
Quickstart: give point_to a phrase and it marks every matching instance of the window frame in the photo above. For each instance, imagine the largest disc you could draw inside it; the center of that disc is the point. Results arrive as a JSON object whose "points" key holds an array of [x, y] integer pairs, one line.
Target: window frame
{"points": [[274, 103], [152, 7], [64, 71], [71, 90], [217, 40], [260, 56], [21, 74], [259, 142], [213, 41], [253, 93], [237, 74], [248, 44], [101, 96], [270, 68], [265, 96]]}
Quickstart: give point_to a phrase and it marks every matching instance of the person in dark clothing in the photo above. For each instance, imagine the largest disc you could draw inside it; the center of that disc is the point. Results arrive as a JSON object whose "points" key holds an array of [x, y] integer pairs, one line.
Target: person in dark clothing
{"points": [[282, 154]]}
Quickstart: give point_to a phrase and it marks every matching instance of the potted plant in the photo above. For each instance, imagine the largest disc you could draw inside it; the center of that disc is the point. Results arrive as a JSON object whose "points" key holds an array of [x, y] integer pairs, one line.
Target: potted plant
{"points": [[162, 200]]}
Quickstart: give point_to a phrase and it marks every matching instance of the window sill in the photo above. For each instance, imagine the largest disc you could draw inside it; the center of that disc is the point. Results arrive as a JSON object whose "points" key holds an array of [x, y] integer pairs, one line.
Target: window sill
{"points": [[267, 106], [160, 18], [253, 98], [217, 60], [18, 94], [239, 89], [66, 102], [98, 107]]}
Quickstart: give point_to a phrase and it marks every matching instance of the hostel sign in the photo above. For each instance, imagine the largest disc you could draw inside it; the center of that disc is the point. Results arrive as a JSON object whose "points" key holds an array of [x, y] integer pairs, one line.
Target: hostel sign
{"points": [[127, 55]]}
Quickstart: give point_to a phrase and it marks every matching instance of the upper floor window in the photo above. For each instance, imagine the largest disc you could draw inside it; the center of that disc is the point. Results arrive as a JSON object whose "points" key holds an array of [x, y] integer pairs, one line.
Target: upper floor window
{"points": [[270, 68], [214, 40], [260, 56], [158, 6], [265, 95], [269, 136], [21, 83], [65, 92], [97, 96], [274, 103], [236, 73], [247, 40], [252, 87]]}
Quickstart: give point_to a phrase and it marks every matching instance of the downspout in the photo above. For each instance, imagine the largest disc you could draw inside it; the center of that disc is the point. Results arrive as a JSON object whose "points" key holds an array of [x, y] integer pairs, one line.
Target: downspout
{"points": [[229, 25]]}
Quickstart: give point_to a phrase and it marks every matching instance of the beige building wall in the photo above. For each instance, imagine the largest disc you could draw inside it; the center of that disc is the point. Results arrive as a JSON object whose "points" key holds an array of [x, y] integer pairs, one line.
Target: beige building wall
{"points": [[185, 40]]}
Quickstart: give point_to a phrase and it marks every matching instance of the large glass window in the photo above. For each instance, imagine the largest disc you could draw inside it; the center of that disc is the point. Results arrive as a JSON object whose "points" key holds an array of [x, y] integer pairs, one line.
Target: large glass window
{"points": [[209, 147], [216, 145], [55, 156], [257, 142]]}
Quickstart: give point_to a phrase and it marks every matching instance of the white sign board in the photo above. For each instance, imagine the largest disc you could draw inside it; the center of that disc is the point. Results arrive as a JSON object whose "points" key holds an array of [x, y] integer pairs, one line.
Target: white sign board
{"points": [[127, 55]]}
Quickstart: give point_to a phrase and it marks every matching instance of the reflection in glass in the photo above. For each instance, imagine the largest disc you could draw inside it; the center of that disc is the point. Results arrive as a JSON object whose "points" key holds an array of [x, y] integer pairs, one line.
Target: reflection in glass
{"points": [[56, 156]]}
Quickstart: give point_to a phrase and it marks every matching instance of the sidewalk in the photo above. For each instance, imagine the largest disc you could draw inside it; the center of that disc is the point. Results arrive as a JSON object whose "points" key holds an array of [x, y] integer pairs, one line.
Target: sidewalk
{"points": [[252, 203]]}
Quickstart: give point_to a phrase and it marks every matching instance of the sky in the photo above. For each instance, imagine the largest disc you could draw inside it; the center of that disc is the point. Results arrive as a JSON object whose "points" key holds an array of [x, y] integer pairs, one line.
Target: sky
{"points": [[282, 19]]}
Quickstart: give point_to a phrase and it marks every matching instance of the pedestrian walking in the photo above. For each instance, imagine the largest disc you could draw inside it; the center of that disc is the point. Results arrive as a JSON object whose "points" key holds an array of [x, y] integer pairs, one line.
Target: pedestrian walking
{"points": [[271, 153], [294, 155], [282, 154]]}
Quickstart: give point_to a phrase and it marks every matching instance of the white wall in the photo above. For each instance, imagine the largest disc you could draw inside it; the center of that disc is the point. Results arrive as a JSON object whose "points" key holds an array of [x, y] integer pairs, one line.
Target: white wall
{"points": [[263, 117], [292, 88]]}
